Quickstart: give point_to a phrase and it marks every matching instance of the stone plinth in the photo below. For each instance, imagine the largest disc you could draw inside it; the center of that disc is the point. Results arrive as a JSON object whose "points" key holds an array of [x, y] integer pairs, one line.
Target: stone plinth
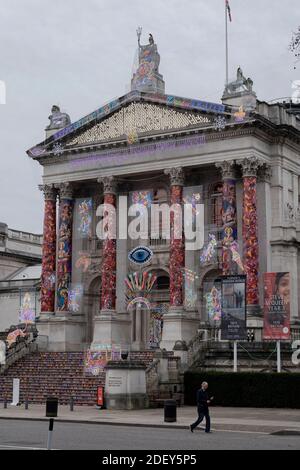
{"points": [[125, 385]]}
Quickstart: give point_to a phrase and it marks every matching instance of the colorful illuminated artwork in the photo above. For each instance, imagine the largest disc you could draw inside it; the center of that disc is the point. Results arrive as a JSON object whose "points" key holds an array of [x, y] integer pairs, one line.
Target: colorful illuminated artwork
{"points": [[142, 197], [13, 336], [250, 239], [27, 307], [49, 258], [193, 198], [240, 115], [219, 123], [140, 255], [158, 310], [108, 282], [64, 253], [277, 301], [213, 304], [236, 256], [85, 218], [209, 253], [148, 66], [233, 318], [96, 359], [140, 301], [84, 261], [190, 295], [132, 137], [75, 297], [177, 254], [138, 288], [229, 219]]}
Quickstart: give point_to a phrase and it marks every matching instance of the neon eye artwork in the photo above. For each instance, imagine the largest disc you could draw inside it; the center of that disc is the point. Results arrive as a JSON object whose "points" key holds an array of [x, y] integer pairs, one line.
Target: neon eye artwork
{"points": [[140, 255]]}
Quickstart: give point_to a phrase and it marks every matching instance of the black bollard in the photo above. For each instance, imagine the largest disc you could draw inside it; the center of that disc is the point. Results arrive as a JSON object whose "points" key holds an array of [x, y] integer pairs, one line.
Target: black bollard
{"points": [[5, 402], [71, 404], [26, 403]]}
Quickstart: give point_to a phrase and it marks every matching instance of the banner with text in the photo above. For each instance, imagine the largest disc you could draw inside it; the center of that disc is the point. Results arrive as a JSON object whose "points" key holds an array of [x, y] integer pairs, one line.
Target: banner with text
{"points": [[233, 317], [277, 306]]}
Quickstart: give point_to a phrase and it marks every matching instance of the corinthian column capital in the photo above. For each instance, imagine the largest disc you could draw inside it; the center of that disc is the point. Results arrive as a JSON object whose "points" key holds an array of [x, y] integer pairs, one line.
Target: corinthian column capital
{"points": [[250, 166], [176, 176], [50, 192], [65, 190], [110, 184], [227, 169]]}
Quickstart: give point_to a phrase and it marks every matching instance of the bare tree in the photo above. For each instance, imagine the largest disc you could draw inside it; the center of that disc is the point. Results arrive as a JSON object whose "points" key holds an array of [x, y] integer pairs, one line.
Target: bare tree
{"points": [[294, 46]]}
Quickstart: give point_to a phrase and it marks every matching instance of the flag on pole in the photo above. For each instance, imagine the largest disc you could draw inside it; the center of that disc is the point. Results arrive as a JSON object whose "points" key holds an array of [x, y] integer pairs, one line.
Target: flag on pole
{"points": [[228, 10]]}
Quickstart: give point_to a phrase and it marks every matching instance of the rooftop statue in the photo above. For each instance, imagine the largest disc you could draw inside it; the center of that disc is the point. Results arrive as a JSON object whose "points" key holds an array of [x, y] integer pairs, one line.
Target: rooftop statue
{"points": [[147, 77], [240, 85], [58, 120]]}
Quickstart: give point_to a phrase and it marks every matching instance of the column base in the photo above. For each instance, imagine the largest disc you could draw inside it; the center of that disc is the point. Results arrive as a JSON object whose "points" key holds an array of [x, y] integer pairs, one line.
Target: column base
{"points": [[59, 333], [178, 326], [111, 328]]}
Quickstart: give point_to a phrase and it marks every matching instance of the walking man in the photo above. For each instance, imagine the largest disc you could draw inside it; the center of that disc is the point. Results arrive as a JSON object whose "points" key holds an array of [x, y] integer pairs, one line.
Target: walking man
{"points": [[203, 402]]}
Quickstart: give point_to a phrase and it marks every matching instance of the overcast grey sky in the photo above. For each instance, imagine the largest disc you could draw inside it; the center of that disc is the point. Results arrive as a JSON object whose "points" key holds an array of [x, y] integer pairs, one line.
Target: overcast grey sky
{"points": [[79, 54]]}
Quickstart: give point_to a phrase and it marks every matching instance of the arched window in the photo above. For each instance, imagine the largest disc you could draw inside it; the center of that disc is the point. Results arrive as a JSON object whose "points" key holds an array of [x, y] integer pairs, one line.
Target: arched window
{"points": [[162, 283], [216, 204]]}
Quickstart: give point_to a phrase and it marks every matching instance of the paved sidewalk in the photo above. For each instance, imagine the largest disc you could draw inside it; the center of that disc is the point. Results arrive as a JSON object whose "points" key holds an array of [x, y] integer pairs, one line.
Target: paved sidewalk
{"points": [[231, 419]]}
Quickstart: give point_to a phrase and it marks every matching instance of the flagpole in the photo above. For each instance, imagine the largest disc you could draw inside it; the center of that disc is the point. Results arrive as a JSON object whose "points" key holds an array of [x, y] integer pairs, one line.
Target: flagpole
{"points": [[226, 41]]}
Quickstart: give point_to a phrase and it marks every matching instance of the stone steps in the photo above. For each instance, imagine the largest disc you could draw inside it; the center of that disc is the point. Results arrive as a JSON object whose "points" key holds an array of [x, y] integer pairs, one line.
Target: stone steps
{"points": [[60, 374]]}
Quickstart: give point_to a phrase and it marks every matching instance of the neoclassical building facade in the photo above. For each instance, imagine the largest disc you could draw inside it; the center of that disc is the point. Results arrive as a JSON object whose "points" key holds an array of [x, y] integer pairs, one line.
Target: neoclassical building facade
{"points": [[239, 158]]}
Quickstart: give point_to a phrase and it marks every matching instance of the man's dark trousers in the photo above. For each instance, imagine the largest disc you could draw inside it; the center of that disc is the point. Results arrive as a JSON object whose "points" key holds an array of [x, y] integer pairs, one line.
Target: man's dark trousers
{"points": [[202, 412]]}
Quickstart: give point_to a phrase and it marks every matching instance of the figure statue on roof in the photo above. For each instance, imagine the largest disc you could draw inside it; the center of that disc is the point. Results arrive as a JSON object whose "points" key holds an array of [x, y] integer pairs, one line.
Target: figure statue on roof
{"points": [[58, 120], [151, 40], [147, 77]]}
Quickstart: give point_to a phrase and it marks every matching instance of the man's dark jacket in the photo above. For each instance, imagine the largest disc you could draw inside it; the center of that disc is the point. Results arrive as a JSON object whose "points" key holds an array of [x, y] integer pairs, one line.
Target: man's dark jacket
{"points": [[202, 397]]}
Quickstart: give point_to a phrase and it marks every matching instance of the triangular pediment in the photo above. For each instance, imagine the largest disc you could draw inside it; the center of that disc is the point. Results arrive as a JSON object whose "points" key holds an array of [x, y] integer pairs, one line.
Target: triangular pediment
{"points": [[136, 113], [141, 119]]}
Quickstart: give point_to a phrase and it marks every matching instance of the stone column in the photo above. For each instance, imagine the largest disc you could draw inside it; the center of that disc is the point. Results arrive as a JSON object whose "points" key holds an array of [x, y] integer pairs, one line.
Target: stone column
{"points": [[64, 246], [48, 250], [109, 257], [176, 245], [229, 218], [250, 168]]}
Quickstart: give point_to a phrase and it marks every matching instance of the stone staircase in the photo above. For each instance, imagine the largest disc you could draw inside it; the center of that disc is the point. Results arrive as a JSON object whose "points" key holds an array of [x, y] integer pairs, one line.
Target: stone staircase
{"points": [[59, 374], [44, 374]]}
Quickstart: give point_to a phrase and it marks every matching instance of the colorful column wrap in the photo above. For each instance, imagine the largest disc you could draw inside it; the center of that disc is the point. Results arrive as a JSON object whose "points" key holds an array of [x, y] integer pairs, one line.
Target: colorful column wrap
{"points": [[250, 239], [64, 247], [109, 257], [177, 250], [229, 217], [48, 250]]}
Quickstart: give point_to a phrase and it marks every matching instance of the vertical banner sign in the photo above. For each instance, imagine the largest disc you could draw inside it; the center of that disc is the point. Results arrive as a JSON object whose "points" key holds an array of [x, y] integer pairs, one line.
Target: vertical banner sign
{"points": [[277, 306], [233, 319]]}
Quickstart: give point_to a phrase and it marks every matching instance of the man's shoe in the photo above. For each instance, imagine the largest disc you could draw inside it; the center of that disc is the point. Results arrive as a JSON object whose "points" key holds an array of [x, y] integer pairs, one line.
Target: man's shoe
{"points": [[208, 432], [192, 430]]}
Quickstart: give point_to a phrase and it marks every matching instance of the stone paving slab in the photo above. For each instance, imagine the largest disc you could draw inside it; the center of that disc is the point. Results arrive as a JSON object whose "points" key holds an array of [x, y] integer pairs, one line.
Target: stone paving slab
{"points": [[231, 419]]}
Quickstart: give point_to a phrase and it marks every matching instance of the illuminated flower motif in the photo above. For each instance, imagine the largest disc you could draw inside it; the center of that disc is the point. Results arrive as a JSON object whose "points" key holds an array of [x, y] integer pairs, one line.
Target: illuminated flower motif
{"points": [[57, 149], [140, 255], [209, 251], [240, 115], [132, 137], [219, 123]]}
